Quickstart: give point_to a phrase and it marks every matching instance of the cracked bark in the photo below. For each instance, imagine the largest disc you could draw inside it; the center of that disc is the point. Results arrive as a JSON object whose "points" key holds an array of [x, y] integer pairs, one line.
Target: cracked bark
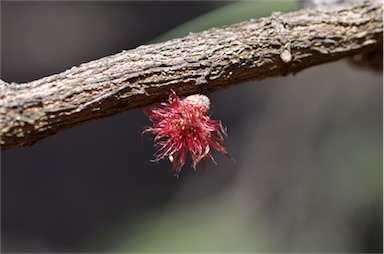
{"points": [[198, 63]]}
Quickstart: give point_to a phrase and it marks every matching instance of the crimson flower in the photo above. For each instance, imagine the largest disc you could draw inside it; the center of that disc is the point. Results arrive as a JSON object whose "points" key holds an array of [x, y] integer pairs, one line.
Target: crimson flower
{"points": [[183, 125]]}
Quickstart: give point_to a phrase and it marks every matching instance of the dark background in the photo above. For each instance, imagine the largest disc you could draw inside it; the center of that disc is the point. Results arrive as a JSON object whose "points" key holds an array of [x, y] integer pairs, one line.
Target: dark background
{"points": [[308, 150]]}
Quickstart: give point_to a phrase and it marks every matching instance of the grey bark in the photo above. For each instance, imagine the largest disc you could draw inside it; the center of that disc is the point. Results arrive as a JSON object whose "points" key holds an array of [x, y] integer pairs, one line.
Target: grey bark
{"points": [[198, 63]]}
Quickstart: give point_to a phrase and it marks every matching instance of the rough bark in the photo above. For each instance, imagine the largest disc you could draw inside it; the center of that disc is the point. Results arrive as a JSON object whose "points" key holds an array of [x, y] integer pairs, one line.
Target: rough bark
{"points": [[198, 63]]}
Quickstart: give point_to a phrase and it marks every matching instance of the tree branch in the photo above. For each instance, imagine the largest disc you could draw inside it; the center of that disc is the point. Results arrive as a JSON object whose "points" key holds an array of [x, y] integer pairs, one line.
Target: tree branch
{"points": [[198, 63]]}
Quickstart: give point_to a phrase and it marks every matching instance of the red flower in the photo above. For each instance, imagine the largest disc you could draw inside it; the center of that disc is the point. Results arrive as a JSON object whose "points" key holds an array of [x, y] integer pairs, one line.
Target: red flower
{"points": [[183, 125]]}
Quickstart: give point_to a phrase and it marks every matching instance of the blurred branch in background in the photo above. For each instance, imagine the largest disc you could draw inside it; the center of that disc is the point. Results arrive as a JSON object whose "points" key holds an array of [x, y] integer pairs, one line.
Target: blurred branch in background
{"points": [[227, 15], [198, 63]]}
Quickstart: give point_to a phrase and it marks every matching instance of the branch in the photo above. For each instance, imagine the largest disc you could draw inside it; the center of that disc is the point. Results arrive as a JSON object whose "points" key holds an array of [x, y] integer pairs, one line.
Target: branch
{"points": [[198, 63]]}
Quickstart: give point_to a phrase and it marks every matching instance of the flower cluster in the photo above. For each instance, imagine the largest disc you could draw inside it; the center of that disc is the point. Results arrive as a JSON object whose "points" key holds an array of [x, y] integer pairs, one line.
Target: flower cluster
{"points": [[183, 125]]}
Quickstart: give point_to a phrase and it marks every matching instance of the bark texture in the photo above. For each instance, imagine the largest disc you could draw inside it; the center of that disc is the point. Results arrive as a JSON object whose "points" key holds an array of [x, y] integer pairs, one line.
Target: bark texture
{"points": [[198, 63]]}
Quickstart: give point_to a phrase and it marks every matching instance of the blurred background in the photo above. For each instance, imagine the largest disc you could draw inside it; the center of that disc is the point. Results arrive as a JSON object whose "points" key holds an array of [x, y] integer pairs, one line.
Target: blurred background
{"points": [[308, 148]]}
